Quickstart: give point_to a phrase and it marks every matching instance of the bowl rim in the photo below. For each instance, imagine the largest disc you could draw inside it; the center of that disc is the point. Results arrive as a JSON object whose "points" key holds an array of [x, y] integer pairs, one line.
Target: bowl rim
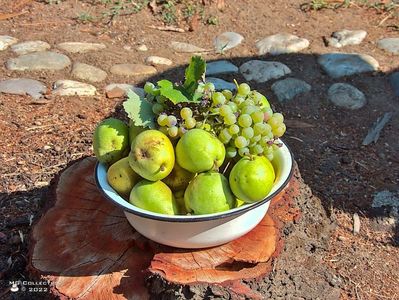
{"points": [[196, 218]]}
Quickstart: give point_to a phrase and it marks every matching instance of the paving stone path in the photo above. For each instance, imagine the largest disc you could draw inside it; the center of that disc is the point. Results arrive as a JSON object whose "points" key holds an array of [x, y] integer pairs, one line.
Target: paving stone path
{"points": [[33, 56]]}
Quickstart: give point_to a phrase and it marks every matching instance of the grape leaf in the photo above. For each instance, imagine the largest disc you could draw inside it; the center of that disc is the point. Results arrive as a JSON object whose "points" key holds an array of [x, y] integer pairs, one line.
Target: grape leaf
{"points": [[194, 72], [168, 91], [139, 110]]}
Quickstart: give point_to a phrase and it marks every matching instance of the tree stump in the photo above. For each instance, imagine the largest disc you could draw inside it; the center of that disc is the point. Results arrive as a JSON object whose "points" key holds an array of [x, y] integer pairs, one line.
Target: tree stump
{"points": [[84, 246]]}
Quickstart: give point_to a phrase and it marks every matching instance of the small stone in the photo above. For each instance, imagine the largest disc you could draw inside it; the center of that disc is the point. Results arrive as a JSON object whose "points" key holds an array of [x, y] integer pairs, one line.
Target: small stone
{"points": [[142, 48], [221, 84], [23, 86], [6, 41], [386, 198], [116, 92], [185, 47], [72, 88], [262, 71], [132, 69], [79, 47], [157, 60], [127, 48], [288, 88], [390, 45], [87, 72], [57, 149], [46, 147], [281, 43], [346, 96], [346, 37], [394, 80], [125, 87], [356, 223], [344, 64], [227, 41], [341, 238], [30, 46], [36, 61], [220, 67]]}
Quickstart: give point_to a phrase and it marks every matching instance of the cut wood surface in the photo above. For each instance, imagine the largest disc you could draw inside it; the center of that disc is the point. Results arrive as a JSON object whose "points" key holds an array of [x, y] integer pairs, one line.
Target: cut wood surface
{"points": [[86, 248]]}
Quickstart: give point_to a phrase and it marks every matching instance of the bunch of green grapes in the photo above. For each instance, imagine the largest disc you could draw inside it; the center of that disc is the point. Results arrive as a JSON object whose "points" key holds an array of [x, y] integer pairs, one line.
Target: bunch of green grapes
{"points": [[175, 120], [245, 122]]}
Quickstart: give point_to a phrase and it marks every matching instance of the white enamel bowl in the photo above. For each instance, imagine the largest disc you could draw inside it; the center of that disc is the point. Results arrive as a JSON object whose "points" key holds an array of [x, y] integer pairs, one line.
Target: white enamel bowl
{"points": [[200, 231]]}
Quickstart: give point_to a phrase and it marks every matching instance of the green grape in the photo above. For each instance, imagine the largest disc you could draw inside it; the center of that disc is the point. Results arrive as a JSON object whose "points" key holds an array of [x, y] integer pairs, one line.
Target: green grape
{"points": [[149, 87], [225, 136], [269, 156], [161, 99], [256, 149], [268, 112], [264, 103], [231, 152], [257, 97], [244, 120], [163, 129], [249, 109], [243, 151], [182, 131], [225, 110], [268, 149], [157, 108], [247, 132], [214, 110], [190, 123], [238, 99], [279, 131], [200, 88], [248, 102], [274, 122], [227, 94], [173, 131], [162, 120], [240, 142], [275, 147], [259, 128], [233, 106], [264, 141], [186, 113], [257, 116], [209, 86], [234, 129], [218, 98], [230, 119], [278, 117], [243, 89], [203, 126], [256, 138], [172, 121]]}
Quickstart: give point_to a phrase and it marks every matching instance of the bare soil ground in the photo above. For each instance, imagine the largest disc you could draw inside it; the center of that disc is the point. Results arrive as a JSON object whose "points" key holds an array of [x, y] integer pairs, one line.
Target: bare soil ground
{"points": [[39, 140]]}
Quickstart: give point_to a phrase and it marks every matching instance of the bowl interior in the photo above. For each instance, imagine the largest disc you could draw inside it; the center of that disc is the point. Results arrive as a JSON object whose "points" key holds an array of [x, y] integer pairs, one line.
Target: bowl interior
{"points": [[283, 165]]}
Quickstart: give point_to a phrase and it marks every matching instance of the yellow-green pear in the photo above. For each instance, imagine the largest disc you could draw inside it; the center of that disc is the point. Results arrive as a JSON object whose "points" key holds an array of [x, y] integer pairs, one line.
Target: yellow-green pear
{"points": [[152, 155], [121, 177]]}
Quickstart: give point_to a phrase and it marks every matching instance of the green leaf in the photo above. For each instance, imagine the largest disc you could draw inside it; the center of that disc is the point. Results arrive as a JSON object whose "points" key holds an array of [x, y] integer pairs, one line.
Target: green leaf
{"points": [[165, 84], [139, 110], [174, 95], [194, 72]]}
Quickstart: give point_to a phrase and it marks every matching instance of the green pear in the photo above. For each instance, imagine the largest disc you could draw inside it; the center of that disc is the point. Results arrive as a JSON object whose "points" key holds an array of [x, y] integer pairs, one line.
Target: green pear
{"points": [[179, 178], [252, 178], [209, 193], [198, 151], [153, 196], [121, 177], [152, 155], [111, 141]]}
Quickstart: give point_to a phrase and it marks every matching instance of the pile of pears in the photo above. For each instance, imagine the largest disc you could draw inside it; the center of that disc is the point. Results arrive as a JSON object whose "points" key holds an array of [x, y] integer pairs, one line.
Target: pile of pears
{"points": [[178, 176]]}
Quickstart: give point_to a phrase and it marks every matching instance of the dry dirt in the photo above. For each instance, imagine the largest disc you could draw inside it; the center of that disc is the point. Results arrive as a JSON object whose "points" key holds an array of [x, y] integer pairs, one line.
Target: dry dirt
{"points": [[39, 140]]}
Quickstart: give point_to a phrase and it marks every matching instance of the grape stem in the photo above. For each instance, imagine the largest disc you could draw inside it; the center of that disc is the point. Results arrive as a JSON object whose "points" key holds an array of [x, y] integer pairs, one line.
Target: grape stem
{"points": [[226, 167]]}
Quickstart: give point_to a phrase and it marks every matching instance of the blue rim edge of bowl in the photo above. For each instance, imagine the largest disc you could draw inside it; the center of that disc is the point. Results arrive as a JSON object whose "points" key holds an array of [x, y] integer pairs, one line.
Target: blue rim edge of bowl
{"points": [[199, 218]]}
